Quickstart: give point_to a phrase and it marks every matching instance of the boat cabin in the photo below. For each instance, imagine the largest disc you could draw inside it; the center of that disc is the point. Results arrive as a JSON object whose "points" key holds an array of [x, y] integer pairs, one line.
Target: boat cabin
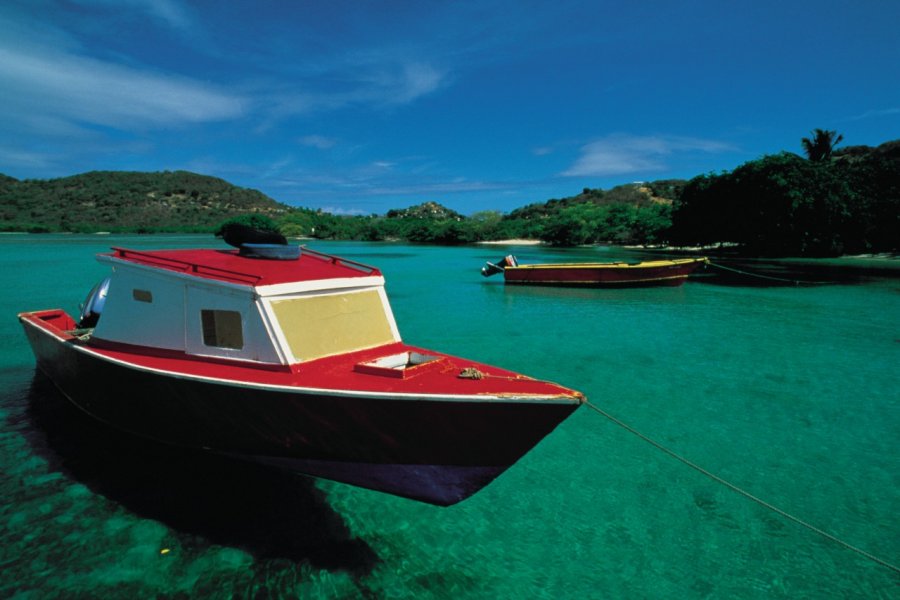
{"points": [[218, 303]]}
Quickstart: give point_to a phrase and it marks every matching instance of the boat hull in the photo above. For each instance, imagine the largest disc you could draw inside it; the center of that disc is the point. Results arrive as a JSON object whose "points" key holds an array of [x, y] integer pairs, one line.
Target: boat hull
{"points": [[656, 273], [430, 449]]}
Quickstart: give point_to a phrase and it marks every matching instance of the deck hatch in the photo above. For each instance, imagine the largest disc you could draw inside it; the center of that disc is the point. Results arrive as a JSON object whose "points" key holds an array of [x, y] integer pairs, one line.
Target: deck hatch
{"points": [[401, 366]]}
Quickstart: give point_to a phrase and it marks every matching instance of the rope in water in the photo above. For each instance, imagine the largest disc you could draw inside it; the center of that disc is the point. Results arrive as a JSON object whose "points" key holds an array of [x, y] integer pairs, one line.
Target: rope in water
{"points": [[740, 491], [770, 278]]}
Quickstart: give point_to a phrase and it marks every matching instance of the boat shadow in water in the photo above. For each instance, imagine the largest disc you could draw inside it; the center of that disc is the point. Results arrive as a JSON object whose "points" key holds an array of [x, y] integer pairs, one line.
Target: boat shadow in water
{"points": [[207, 498]]}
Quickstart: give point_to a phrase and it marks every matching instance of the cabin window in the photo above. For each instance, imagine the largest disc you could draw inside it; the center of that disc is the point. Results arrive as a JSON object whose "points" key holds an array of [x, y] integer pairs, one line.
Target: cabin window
{"points": [[222, 328], [142, 295], [329, 324]]}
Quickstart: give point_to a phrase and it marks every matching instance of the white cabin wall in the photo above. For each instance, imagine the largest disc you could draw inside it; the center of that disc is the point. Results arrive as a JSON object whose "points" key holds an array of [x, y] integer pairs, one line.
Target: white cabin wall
{"points": [[172, 319], [258, 346], [159, 323]]}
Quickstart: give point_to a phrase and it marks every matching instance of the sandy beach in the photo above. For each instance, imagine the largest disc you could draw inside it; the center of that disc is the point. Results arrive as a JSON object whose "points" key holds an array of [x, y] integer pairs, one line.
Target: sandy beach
{"points": [[515, 242]]}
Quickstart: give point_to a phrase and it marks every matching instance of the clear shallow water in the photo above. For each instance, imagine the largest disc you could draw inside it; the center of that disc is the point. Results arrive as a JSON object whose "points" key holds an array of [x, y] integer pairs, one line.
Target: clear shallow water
{"points": [[790, 393]]}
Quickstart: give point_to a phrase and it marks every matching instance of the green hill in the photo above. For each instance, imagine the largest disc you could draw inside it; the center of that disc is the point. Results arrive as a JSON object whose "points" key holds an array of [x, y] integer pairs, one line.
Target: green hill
{"points": [[641, 194], [127, 201], [847, 202]]}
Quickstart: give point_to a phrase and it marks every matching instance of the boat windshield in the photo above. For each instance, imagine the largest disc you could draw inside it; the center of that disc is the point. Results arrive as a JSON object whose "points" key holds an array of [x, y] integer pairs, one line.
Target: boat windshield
{"points": [[325, 325]]}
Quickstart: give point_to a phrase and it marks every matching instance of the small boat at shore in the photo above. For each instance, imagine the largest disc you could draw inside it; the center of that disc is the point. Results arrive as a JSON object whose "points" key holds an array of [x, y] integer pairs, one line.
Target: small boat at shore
{"points": [[294, 361], [602, 274]]}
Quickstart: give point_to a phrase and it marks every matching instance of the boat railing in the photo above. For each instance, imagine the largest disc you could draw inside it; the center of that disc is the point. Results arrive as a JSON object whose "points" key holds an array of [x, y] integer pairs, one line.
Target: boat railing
{"points": [[337, 260], [185, 265]]}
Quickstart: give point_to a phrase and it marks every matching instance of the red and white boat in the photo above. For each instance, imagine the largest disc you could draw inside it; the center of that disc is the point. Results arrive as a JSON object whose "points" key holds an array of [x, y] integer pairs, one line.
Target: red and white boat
{"points": [[296, 363], [600, 274]]}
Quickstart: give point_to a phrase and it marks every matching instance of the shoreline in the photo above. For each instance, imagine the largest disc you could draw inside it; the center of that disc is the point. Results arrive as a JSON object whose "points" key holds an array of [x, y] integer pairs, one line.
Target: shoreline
{"points": [[723, 252], [877, 257], [512, 242]]}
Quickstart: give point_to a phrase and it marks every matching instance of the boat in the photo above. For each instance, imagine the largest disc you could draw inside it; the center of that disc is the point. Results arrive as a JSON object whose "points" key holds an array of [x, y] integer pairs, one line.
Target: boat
{"points": [[596, 274], [292, 362]]}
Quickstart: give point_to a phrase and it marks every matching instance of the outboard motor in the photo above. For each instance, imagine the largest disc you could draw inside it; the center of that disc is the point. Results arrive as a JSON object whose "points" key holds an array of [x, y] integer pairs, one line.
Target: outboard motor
{"points": [[93, 305], [490, 268]]}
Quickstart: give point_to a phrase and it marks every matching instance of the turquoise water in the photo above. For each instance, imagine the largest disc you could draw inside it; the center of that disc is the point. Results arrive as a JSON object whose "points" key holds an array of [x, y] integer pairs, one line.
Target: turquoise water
{"points": [[788, 392]]}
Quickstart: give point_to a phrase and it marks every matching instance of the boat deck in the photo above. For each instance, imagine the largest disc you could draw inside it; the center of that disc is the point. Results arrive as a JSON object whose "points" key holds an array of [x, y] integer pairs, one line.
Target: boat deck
{"points": [[620, 265], [373, 371]]}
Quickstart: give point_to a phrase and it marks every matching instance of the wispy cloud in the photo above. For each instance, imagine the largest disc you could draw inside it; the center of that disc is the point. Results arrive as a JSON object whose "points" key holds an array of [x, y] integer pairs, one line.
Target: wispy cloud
{"points": [[168, 12], [320, 142], [339, 210], [871, 114], [623, 154], [431, 188], [411, 82], [67, 86], [377, 86], [20, 158]]}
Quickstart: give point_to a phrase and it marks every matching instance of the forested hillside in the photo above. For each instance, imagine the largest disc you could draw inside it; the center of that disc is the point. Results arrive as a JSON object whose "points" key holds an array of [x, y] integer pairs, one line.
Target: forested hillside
{"points": [[845, 202], [127, 201], [833, 201], [633, 213]]}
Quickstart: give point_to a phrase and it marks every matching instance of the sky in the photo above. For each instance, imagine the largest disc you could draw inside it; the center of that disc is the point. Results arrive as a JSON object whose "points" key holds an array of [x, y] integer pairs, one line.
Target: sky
{"points": [[359, 107]]}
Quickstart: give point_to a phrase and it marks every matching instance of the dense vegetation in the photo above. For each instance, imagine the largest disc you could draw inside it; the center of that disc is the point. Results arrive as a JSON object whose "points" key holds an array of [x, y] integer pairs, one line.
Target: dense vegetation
{"points": [[186, 202], [832, 202], [783, 204], [118, 201], [626, 214]]}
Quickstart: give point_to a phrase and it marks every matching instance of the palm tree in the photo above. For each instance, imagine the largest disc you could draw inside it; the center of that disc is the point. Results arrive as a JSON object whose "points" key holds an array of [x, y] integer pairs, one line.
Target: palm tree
{"points": [[821, 145]]}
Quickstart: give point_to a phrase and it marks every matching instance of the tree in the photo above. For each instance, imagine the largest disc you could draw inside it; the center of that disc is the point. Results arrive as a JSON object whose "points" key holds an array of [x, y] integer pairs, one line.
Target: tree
{"points": [[821, 145]]}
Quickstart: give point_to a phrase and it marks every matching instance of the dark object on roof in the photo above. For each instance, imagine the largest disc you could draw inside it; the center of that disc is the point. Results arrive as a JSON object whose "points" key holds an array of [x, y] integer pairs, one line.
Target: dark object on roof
{"points": [[237, 235]]}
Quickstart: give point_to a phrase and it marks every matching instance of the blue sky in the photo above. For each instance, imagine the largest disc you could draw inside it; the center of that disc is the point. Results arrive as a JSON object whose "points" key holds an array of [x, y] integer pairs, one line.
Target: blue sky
{"points": [[359, 107]]}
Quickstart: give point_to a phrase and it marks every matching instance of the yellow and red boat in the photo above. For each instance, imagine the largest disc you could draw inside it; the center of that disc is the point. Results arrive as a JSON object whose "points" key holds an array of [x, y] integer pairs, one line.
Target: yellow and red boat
{"points": [[598, 274]]}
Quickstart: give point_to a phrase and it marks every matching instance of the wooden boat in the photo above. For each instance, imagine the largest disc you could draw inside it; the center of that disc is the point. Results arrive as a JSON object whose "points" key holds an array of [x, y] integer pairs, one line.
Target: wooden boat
{"points": [[296, 363], [611, 274]]}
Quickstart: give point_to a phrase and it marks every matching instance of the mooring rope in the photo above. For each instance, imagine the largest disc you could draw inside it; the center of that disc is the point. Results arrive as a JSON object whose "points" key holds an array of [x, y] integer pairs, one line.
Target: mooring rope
{"points": [[770, 278], [741, 491]]}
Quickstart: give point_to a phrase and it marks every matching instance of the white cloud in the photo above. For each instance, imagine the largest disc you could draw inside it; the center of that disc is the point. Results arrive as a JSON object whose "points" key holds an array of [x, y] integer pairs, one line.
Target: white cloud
{"points": [[319, 142], [375, 85], [876, 113], [51, 85], [414, 81], [169, 12], [337, 210], [23, 159], [446, 187], [622, 154]]}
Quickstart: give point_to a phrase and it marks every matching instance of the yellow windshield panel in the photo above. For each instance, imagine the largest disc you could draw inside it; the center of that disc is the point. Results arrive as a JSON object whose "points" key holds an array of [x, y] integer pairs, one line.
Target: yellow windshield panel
{"points": [[317, 326]]}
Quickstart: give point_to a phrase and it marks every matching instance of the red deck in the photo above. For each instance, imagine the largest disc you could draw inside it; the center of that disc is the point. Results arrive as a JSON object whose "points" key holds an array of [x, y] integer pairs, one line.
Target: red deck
{"points": [[228, 265], [335, 373]]}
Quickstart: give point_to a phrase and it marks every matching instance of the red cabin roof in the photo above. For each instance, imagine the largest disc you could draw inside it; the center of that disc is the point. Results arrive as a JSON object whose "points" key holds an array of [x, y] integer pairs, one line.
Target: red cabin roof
{"points": [[228, 265]]}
